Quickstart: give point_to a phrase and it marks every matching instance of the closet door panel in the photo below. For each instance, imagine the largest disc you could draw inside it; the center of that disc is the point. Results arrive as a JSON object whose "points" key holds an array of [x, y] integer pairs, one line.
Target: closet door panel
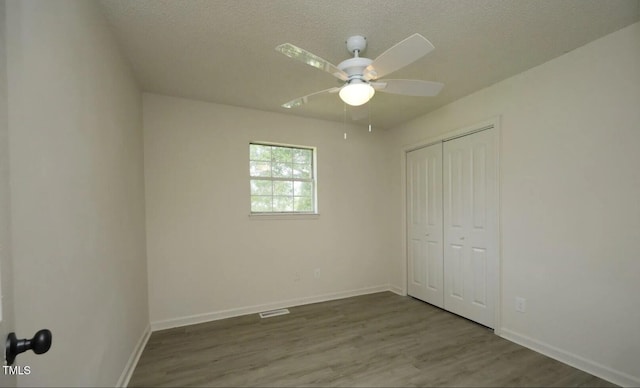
{"points": [[424, 224], [470, 257]]}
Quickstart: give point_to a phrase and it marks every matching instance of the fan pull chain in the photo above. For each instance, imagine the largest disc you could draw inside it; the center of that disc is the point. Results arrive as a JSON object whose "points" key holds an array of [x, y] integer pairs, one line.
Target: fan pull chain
{"points": [[369, 116], [344, 120]]}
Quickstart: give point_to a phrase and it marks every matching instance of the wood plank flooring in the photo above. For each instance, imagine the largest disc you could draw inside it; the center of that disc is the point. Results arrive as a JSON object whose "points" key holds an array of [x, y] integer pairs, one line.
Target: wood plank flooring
{"points": [[373, 340]]}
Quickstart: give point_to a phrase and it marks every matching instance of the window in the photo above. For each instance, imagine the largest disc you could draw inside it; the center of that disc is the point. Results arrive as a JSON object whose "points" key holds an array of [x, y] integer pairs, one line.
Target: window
{"points": [[282, 179]]}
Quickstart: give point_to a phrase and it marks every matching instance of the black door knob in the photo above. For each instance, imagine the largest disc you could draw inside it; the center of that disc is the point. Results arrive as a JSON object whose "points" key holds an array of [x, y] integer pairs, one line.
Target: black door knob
{"points": [[40, 343]]}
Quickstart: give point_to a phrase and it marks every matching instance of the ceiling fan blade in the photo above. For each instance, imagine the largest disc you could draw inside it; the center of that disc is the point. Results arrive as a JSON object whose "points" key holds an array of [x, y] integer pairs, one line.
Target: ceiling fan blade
{"points": [[398, 56], [303, 100], [311, 59], [408, 87]]}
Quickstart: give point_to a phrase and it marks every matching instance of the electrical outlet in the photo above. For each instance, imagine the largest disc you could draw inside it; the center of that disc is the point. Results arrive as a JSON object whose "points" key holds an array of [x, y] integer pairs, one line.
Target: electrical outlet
{"points": [[521, 304], [296, 277], [316, 273]]}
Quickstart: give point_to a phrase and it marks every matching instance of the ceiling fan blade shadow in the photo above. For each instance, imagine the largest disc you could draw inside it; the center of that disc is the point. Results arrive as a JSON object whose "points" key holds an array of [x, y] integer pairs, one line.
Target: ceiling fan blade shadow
{"points": [[310, 59], [304, 99], [408, 87], [399, 56]]}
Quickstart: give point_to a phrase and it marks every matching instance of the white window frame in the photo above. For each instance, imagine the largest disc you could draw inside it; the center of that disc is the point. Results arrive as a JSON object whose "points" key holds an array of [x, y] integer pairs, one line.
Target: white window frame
{"points": [[314, 181]]}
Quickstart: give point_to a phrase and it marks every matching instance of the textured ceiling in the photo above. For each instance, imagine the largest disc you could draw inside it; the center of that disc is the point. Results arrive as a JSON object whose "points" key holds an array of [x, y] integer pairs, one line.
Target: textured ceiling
{"points": [[223, 50]]}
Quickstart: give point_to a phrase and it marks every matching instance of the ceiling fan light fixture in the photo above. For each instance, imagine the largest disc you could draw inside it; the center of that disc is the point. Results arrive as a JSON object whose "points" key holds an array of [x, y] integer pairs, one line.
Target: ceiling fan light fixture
{"points": [[357, 93], [362, 76]]}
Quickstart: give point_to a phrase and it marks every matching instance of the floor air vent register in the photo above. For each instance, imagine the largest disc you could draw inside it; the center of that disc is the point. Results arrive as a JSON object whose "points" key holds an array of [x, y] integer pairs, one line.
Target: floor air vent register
{"points": [[273, 313]]}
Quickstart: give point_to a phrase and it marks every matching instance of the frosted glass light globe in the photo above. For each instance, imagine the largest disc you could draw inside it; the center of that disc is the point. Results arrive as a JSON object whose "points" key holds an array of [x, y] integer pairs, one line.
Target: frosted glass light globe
{"points": [[356, 94]]}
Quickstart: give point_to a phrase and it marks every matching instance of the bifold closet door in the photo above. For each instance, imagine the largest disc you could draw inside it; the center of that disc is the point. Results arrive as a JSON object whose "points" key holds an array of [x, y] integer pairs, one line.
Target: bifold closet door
{"points": [[470, 226], [424, 224]]}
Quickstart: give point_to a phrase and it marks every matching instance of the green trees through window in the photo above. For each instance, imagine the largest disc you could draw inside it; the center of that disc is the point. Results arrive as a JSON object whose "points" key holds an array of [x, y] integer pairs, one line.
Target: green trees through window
{"points": [[282, 179]]}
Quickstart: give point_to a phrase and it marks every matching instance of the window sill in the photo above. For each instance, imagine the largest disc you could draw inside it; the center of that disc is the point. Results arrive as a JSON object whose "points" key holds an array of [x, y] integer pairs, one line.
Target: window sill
{"points": [[283, 216]]}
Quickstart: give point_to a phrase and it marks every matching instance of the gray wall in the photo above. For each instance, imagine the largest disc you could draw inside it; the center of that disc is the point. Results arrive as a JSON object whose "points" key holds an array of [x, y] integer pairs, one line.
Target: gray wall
{"points": [[77, 189]]}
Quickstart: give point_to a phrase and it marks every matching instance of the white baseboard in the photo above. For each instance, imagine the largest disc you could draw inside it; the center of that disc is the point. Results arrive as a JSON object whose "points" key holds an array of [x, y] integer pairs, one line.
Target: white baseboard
{"points": [[397, 290], [235, 312], [123, 381], [592, 367]]}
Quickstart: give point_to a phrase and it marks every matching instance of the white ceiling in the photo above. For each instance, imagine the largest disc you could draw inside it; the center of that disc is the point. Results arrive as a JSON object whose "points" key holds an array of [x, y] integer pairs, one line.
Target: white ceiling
{"points": [[222, 51]]}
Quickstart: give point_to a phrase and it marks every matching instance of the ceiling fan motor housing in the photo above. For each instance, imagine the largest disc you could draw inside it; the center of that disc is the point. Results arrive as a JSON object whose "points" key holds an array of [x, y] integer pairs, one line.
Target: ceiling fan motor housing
{"points": [[354, 67]]}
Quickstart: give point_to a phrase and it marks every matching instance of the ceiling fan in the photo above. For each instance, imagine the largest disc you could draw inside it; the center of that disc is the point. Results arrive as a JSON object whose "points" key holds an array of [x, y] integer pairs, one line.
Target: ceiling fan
{"points": [[361, 75]]}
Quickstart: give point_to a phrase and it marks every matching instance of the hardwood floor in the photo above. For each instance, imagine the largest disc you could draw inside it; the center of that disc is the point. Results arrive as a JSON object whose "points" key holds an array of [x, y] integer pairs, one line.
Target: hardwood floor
{"points": [[372, 340]]}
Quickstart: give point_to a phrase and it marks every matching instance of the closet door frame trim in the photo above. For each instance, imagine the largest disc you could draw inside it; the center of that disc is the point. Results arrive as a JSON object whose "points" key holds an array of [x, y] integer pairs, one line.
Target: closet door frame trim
{"points": [[450, 135]]}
